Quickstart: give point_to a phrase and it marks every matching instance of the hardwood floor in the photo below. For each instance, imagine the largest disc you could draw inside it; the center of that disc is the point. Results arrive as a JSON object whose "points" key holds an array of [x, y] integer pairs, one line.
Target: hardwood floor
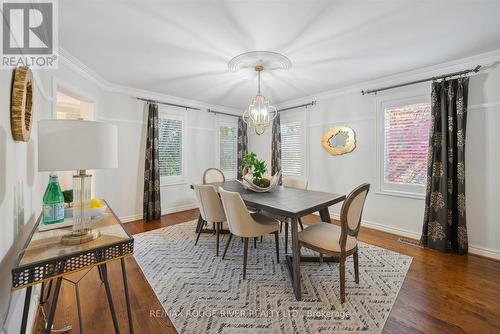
{"points": [[442, 293]]}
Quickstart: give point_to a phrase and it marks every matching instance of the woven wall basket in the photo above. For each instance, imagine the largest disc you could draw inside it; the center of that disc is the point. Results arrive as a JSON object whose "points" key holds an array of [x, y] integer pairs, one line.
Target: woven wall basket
{"points": [[21, 116]]}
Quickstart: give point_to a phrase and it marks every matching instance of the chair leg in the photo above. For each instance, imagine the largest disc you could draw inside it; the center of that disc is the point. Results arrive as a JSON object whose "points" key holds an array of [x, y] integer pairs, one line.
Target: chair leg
{"points": [[261, 238], [301, 226], [198, 236], [245, 253], [342, 279], [277, 242], [217, 232], [281, 226], [255, 242], [213, 228], [227, 245], [286, 237], [356, 267]]}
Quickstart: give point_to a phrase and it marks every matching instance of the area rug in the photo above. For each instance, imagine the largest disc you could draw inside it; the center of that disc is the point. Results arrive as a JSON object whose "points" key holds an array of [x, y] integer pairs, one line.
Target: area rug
{"points": [[201, 293]]}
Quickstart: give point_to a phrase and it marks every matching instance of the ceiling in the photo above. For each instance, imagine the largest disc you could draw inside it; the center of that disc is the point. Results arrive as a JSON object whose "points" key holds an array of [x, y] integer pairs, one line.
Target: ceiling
{"points": [[181, 48]]}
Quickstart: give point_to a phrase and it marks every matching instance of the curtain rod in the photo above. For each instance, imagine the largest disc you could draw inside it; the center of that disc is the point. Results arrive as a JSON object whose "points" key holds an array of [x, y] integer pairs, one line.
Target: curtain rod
{"points": [[221, 113], [370, 91], [312, 103], [166, 103]]}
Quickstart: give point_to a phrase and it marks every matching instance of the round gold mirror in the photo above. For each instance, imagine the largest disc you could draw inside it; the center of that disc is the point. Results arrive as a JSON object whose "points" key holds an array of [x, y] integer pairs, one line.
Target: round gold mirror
{"points": [[339, 140]]}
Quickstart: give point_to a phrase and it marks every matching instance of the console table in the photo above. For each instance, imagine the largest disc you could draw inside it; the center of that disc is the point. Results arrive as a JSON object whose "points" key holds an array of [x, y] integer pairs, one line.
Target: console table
{"points": [[43, 259]]}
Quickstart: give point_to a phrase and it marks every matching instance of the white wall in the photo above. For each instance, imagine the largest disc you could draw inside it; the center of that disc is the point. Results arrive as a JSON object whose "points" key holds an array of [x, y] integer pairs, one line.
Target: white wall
{"points": [[21, 190], [398, 214]]}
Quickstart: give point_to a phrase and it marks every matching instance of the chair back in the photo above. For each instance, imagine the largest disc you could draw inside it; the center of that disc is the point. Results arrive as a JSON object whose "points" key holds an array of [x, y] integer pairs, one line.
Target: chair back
{"points": [[213, 175], [294, 182], [238, 218], [350, 214], [210, 205]]}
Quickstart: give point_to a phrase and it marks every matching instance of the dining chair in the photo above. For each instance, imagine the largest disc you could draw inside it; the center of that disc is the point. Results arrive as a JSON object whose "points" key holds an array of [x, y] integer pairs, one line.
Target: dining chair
{"points": [[211, 209], [339, 241], [245, 224], [297, 183], [213, 175]]}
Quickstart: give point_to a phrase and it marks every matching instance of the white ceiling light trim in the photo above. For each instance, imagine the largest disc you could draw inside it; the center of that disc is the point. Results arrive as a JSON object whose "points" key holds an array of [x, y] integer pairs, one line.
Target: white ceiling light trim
{"points": [[269, 60]]}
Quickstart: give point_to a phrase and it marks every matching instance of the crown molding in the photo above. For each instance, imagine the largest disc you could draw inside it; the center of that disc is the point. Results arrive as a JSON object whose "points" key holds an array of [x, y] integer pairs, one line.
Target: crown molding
{"points": [[86, 72], [486, 60]]}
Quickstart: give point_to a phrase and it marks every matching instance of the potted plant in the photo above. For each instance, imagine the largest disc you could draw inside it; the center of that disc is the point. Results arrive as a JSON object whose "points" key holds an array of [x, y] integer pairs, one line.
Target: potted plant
{"points": [[257, 168]]}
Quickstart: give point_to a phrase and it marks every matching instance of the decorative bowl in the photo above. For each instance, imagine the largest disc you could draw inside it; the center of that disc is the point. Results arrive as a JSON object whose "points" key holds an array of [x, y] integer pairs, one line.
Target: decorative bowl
{"points": [[247, 183]]}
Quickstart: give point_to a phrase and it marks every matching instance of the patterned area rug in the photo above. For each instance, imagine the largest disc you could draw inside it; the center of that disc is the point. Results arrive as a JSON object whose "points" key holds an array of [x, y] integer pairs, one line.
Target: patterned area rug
{"points": [[202, 293]]}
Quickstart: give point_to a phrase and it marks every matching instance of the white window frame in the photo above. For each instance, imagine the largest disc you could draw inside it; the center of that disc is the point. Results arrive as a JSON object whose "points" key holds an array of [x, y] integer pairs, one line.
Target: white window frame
{"points": [[230, 122], [299, 115], [393, 189], [166, 112]]}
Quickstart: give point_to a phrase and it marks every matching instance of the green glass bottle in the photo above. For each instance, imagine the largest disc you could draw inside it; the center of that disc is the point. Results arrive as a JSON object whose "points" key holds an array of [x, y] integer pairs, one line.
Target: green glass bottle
{"points": [[53, 202]]}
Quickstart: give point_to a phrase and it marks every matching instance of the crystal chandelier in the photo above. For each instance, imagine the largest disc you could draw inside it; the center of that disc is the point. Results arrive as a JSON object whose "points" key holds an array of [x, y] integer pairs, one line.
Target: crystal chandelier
{"points": [[259, 113]]}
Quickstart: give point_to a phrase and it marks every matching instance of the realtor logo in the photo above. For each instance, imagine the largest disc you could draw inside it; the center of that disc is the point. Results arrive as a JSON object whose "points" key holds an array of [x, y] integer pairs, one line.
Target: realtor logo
{"points": [[29, 34]]}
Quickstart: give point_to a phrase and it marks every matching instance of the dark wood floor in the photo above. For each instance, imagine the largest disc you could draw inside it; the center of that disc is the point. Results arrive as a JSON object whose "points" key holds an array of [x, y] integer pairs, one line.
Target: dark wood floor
{"points": [[442, 293]]}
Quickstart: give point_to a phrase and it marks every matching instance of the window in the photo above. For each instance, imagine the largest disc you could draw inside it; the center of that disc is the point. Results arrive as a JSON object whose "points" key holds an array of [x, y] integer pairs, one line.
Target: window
{"points": [[228, 149], [404, 134], [170, 133], [292, 148]]}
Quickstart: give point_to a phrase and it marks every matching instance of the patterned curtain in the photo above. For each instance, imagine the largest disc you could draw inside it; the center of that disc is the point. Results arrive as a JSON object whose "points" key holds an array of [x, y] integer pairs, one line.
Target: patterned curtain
{"points": [[151, 201], [276, 146], [242, 146], [444, 219]]}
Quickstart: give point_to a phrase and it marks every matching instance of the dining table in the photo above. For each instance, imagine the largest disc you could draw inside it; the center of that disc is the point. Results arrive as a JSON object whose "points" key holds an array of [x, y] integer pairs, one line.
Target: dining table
{"points": [[291, 203]]}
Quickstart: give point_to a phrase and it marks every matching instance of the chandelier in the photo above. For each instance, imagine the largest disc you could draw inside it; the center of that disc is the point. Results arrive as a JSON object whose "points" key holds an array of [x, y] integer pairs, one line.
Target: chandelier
{"points": [[260, 113]]}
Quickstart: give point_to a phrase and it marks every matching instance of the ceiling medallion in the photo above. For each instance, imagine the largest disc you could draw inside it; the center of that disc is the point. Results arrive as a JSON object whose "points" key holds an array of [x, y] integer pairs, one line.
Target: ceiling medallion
{"points": [[259, 114], [270, 60]]}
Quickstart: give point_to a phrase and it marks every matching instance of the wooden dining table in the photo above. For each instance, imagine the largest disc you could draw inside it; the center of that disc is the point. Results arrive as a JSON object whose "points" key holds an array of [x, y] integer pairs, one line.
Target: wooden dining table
{"points": [[291, 203]]}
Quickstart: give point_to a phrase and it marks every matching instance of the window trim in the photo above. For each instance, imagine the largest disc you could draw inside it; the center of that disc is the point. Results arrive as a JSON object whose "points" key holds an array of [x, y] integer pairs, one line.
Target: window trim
{"points": [[231, 122], [408, 191], [297, 116], [165, 112]]}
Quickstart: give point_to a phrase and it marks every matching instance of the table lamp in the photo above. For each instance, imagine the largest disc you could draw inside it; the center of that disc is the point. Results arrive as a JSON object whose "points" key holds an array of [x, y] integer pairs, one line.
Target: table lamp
{"points": [[77, 145]]}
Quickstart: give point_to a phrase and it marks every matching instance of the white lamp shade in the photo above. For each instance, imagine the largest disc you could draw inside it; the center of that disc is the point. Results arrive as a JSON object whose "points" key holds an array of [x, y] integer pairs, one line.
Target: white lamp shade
{"points": [[73, 145]]}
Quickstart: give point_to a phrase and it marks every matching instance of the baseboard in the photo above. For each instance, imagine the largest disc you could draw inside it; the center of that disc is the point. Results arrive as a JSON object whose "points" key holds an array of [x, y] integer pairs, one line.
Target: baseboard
{"points": [[473, 249], [138, 216], [131, 218], [484, 252]]}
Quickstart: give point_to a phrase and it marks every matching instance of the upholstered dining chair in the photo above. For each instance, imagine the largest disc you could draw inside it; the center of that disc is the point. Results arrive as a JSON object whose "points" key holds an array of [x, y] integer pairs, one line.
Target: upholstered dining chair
{"points": [[297, 183], [211, 209], [213, 175], [339, 241], [245, 224]]}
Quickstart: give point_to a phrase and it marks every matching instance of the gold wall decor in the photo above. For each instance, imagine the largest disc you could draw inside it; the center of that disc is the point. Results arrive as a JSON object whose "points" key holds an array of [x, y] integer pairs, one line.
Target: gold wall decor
{"points": [[339, 140], [21, 116]]}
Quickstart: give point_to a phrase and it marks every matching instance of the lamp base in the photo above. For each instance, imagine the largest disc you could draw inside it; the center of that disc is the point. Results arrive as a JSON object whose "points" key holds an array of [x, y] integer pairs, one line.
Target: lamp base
{"points": [[76, 238]]}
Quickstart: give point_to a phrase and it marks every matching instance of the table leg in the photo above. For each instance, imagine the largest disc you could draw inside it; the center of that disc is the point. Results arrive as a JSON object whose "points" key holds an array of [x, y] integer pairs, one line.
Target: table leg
{"points": [[53, 306], [127, 299], [110, 298], [296, 259], [78, 308], [325, 215], [26, 310]]}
